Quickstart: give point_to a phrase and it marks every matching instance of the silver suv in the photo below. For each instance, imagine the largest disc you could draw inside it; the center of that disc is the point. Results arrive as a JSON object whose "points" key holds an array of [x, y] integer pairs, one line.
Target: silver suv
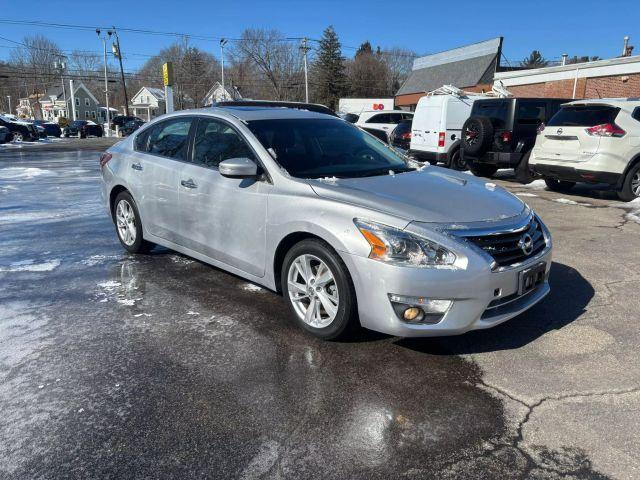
{"points": [[350, 231]]}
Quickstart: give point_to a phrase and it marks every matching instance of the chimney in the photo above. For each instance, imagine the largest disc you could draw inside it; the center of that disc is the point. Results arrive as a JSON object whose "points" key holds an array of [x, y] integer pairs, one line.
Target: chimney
{"points": [[564, 58], [625, 51]]}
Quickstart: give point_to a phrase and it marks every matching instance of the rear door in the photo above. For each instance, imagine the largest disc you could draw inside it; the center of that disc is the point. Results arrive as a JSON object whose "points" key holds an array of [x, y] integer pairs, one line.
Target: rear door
{"points": [[565, 137], [426, 125]]}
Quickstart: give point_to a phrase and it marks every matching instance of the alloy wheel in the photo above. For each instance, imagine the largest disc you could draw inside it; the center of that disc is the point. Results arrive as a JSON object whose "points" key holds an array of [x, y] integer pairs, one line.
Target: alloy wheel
{"points": [[635, 184], [313, 291], [126, 222], [17, 137]]}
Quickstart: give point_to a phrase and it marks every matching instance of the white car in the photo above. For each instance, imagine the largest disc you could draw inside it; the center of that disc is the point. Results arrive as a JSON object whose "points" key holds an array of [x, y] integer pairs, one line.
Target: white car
{"points": [[437, 123], [595, 141], [384, 121]]}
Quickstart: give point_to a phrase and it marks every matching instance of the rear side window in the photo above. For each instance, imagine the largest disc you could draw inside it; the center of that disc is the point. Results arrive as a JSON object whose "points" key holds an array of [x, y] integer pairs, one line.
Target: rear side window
{"points": [[531, 113], [583, 116], [216, 141], [636, 114], [170, 138], [380, 118], [497, 111]]}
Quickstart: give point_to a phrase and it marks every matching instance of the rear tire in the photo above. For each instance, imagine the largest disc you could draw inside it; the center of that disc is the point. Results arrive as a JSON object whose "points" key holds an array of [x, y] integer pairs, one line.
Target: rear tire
{"points": [[556, 185], [631, 186], [524, 172], [128, 224], [457, 162], [483, 169], [308, 294]]}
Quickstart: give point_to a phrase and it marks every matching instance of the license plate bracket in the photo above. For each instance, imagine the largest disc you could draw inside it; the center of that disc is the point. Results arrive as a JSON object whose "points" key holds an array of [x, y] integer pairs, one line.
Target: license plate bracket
{"points": [[530, 278]]}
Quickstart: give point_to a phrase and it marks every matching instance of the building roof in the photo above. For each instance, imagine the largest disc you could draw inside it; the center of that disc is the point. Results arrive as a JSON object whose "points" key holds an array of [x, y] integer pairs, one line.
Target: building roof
{"points": [[54, 91], [463, 67], [597, 68], [156, 92]]}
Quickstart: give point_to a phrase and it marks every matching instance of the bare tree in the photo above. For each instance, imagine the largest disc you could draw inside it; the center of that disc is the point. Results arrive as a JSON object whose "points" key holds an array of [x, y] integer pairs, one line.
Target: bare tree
{"points": [[399, 63], [277, 59]]}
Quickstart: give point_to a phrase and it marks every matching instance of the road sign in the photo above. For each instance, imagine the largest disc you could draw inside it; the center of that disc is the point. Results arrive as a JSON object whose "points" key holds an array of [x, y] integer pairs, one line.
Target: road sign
{"points": [[167, 74]]}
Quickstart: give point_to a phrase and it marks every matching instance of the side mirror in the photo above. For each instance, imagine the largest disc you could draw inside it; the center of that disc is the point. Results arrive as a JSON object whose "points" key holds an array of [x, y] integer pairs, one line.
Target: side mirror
{"points": [[238, 168]]}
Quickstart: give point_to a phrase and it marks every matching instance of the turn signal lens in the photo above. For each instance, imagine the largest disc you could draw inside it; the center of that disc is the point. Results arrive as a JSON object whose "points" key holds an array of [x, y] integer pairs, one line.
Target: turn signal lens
{"points": [[378, 248]]}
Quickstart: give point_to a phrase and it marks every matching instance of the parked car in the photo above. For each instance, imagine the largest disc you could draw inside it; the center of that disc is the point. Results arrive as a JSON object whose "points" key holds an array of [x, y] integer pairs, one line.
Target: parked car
{"points": [[379, 134], [83, 129], [385, 121], [131, 126], [437, 124], [594, 141], [501, 132], [400, 136], [120, 120], [40, 129], [22, 131], [348, 229], [51, 129], [349, 117], [5, 135]]}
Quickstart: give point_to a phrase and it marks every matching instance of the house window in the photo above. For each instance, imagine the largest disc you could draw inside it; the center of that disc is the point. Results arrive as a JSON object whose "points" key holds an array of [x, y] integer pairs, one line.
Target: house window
{"points": [[93, 114], [55, 113], [77, 102], [86, 102], [86, 114]]}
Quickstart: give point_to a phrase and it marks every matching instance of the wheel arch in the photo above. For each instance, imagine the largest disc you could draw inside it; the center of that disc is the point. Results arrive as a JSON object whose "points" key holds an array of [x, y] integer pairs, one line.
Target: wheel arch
{"points": [[632, 163], [115, 191]]}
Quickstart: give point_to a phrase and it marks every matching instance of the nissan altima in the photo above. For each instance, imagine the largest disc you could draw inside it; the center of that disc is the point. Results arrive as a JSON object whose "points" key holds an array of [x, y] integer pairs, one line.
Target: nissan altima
{"points": [[350, 231]]}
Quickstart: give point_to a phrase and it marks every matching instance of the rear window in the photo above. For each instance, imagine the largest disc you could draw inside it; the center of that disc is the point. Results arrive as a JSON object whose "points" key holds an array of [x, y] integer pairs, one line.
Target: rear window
{"points": [[583, 116], [497, 111], [531, 113]]}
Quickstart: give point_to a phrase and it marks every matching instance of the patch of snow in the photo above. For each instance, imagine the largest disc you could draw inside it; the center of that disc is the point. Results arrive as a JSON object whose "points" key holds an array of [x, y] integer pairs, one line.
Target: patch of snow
{"points": [[567, 201], [525, 194], [490, 186], [181, 260], [109, 285], [535, 185], [22, 173], [191, 312], [250, 287], [331, 180], [18, 217], [632, 207], [129, 302], [97, 259], [31, 266]]}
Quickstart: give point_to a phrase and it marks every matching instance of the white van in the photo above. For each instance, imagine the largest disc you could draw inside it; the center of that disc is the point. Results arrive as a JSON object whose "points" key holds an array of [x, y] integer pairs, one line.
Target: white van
{"points": [[437, 123]]}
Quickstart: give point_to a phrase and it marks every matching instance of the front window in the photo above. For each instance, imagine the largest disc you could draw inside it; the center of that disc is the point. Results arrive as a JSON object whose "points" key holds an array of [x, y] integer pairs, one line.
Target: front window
{"points": [[314, 148], [217, 141]]}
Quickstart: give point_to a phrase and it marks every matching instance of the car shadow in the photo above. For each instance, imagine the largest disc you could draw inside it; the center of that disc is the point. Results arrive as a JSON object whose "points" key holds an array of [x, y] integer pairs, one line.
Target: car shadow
{"points": [[569, 296]]}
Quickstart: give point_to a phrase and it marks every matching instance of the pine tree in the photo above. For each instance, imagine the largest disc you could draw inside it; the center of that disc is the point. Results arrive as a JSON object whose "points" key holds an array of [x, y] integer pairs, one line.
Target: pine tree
{"points": [[330, 78], [534, 60]]}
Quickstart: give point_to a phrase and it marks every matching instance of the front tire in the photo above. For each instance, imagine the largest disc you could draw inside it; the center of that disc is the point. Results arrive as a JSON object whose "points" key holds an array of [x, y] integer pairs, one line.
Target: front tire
{"points": [[631, 185], [556, 185], [457, 162], [318, 289], [128, 225]]}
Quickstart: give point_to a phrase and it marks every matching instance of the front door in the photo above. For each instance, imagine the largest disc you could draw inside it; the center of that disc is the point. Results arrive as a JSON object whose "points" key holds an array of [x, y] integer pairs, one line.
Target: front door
{"points": [[223, 218]]}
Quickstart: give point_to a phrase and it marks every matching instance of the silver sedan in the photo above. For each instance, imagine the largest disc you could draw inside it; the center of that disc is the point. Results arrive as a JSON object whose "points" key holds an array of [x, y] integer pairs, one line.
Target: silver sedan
{"points": [[347, 229]]}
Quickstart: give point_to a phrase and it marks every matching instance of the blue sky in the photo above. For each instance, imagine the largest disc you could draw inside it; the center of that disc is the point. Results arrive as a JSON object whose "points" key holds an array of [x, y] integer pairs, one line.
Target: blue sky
{"points": [[585, 27]]}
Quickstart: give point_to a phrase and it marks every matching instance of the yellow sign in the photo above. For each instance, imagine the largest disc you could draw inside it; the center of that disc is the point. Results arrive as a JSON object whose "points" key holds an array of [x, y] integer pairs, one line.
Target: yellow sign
{"points": [[167, 74]]}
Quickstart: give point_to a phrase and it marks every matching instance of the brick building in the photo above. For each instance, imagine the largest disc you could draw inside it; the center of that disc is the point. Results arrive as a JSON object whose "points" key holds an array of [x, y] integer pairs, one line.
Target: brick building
{"points": [[470, 68], [616, 77]]}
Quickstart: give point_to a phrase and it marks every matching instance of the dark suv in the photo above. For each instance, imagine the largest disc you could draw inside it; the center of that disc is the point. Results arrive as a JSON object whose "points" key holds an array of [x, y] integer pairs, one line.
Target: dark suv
{"points": [[501, 132], [22, 131]]}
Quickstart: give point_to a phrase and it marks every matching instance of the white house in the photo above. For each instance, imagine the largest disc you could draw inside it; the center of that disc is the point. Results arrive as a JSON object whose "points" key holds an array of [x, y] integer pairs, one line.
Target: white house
{"points": [[148, 103], [218, 94]]}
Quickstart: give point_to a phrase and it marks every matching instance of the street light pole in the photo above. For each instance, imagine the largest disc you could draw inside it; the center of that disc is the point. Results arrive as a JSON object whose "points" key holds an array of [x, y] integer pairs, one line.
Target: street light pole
{"points": [[60, 66], [223, 42], [106, 84], [118, 53], [305, 49]]}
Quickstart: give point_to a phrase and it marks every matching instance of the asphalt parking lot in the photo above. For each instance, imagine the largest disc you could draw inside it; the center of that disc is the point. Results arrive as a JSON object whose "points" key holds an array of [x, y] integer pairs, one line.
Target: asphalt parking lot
{"points": [[159, 366]]}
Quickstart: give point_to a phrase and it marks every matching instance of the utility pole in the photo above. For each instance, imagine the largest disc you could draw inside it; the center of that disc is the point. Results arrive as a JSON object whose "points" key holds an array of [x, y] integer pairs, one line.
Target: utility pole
{"points": [[60, 67], [106, 85], [73, 100], [304, 47], [223, 42], [117, 52]]}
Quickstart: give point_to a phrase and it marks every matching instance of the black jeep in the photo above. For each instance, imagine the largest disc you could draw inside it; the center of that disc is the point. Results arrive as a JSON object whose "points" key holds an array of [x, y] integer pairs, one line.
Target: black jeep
{"points": [[501, 132]]}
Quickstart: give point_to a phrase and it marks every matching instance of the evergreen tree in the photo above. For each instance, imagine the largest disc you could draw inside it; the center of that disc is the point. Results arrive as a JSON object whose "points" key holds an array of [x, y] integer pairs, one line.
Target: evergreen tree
{"points": [[534, 60], [329, 71], [364, 48]]}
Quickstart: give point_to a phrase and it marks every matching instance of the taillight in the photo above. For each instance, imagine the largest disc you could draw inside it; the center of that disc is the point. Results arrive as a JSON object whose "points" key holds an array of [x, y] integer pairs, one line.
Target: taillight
{"points": [[104, 159], [540, 128], [506, 136], [441, 139], [606, 130], [405, 136]]}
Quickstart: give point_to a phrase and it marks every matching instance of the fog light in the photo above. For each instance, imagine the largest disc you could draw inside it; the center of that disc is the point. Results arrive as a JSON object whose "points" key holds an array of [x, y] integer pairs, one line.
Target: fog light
{"points": [[413, 314]]}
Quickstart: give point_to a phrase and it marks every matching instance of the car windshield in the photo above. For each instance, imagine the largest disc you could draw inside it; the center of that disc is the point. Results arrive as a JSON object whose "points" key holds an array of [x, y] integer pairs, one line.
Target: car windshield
{"points": [[314, 148]]}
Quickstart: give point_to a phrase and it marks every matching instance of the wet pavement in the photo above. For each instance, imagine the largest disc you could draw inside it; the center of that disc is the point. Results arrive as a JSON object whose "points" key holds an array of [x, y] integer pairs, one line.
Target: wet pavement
{"points": [[159, 366]]}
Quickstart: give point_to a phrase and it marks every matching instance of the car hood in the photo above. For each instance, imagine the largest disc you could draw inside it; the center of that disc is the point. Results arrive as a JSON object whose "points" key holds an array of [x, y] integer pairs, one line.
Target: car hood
{"points": [[432, 194]]}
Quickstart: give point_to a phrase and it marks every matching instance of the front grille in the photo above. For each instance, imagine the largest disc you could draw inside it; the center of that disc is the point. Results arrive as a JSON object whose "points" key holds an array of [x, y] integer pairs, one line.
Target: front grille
{"points": [[505, 247]]}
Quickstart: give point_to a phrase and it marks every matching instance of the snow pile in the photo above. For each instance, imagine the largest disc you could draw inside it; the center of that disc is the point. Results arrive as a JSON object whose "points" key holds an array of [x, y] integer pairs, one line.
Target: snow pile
{"points": [[30, 266], [632, 208], [535, 185], [23, 173]]}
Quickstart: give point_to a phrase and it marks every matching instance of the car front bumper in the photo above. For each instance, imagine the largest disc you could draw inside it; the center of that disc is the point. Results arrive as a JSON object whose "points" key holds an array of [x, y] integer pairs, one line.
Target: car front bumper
{"points": [[476, 303]]}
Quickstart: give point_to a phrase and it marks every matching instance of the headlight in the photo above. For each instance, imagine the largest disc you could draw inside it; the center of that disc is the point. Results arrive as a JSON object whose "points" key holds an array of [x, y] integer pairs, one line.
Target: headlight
{"points": [[391, 245]]}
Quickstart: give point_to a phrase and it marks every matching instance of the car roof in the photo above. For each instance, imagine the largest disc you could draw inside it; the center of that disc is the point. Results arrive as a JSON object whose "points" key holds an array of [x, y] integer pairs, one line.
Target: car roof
{"points": [[252, 113], [624, 103]]}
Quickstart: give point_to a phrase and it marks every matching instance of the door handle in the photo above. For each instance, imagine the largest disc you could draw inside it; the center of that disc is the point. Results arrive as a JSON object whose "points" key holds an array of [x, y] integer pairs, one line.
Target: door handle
{"points": [[136, 166], [188, 183]]}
